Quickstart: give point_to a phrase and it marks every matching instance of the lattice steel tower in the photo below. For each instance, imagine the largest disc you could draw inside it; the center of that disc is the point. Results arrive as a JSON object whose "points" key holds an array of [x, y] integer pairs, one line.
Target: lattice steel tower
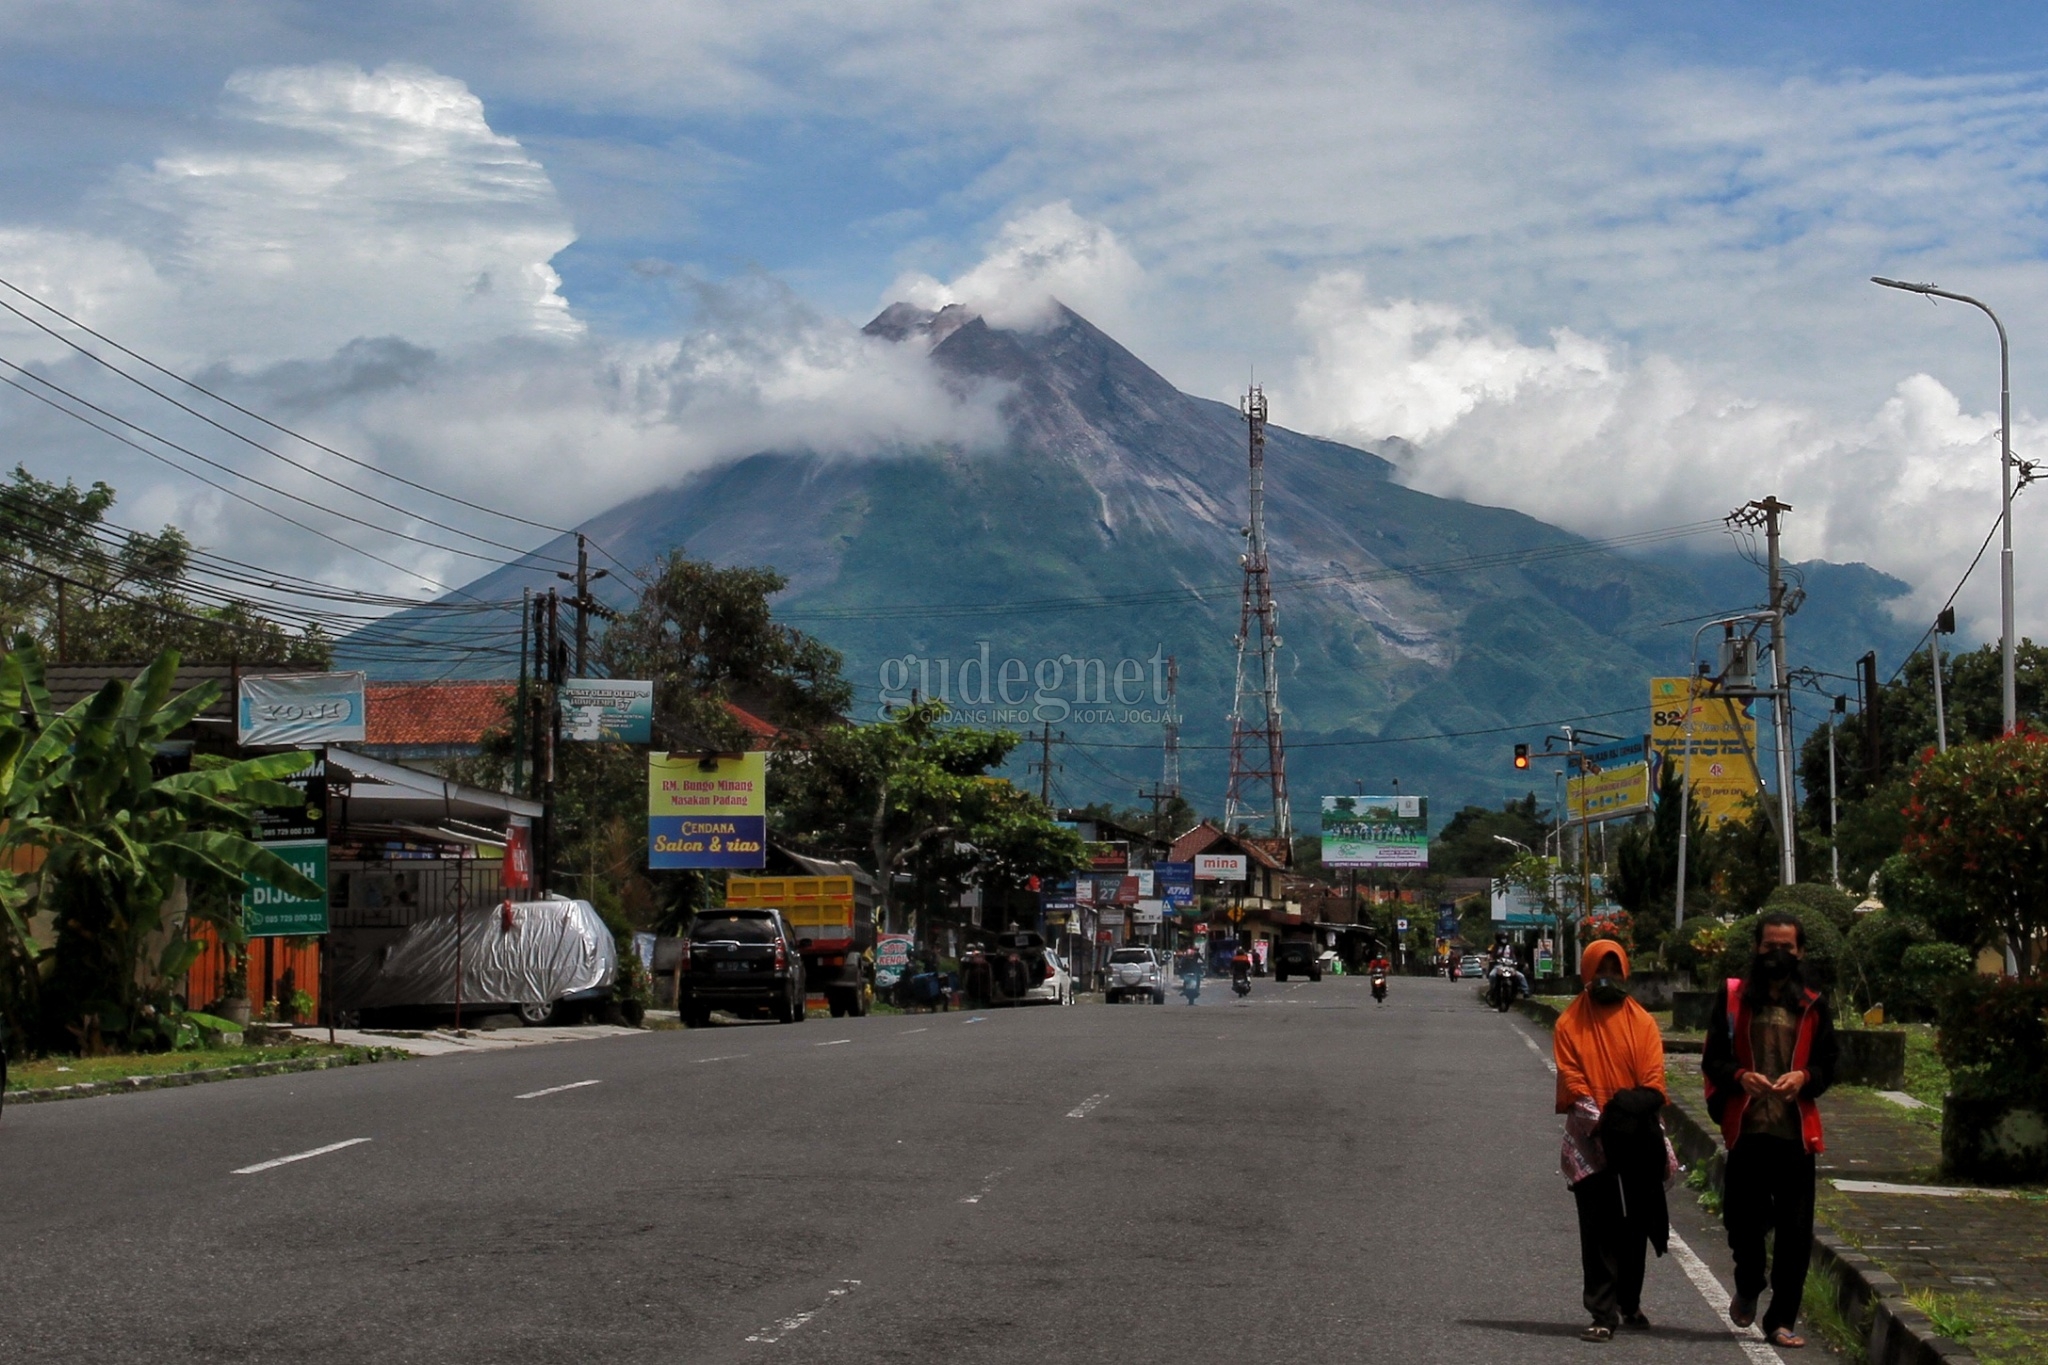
{"points": [[1258, 752]]}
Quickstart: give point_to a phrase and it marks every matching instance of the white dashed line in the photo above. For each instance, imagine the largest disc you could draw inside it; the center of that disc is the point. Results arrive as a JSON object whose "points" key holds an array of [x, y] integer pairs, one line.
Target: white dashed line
{"points": [[833, 1043], [297, 1156], [777, 1331], [986, 1186], [728, 1057], [555, 1090], [917, 1030], [1081, 1110]]}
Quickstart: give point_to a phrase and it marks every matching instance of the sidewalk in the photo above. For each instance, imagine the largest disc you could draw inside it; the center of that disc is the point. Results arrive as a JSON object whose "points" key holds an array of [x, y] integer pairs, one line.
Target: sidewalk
{"points": [[443, 1042], [1982, 1255]]}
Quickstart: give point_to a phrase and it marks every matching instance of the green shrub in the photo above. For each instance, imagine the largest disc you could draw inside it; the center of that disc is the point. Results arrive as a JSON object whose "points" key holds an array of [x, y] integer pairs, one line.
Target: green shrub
{"points": [[1825, 950], [1874, 971], [1994, 1037], [1815, 900]]}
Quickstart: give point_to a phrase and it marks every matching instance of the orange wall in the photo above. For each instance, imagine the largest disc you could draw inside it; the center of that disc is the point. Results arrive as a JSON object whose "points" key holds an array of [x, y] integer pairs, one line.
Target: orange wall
{"points": [[269, 960]]}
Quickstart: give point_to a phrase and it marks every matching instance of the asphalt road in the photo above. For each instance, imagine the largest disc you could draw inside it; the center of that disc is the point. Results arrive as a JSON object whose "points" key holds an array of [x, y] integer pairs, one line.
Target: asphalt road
{"points": [[1300, 1177]]}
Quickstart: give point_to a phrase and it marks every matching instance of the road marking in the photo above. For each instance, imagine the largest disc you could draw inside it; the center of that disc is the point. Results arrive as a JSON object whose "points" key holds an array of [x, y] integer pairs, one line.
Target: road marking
{"points": [[917, 1030], [1928, 1191], [1717, 1299], [1902, 1099], [986, 1186], [775, 1332], [555, 1090], [728, 1057], [1080, 1111], [977, 1019], [834, 1043], [1695, 1269], [297, 1156]]}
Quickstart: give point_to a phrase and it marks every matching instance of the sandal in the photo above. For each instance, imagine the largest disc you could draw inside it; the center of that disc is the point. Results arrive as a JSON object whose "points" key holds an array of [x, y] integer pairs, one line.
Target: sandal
{"points": [[1785, 1338], [1741, 1311], [1599, 1331]]}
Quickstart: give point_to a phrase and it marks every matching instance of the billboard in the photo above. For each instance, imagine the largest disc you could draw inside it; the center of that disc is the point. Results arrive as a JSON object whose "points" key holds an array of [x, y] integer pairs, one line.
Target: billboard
{"points": [[608, 710], [298, 834], [290, 710], [707, 810], [1176, 883], [1614, 780], [1724, 775], [1375, 831], [1221, 867]]}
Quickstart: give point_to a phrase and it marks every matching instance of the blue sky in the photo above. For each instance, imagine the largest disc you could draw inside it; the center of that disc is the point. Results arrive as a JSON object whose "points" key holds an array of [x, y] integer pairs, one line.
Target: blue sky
{"points": [[1603, 262]]}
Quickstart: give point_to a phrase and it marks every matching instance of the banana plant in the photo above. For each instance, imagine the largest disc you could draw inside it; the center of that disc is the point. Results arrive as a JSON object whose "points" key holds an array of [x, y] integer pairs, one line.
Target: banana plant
{"points": [[80, 785]]}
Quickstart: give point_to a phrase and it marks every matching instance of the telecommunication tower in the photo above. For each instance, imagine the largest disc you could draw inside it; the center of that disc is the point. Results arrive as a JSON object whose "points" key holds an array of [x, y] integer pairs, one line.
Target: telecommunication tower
{"points": [[1169, 777], [1258, 752]]}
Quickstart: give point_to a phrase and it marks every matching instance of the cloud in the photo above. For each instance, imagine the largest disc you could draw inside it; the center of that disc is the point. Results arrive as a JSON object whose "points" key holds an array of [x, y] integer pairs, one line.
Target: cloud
{"points": [[1589, 437], [1042, 255]]}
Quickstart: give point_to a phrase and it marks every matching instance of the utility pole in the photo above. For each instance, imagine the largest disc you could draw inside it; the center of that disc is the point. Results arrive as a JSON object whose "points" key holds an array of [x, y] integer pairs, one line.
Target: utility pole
{"points": [[1044, 767], [1169, 773], [1944, 624], [519, 710], [1769, 513], [1834, 803], [586, 605], [63, 636], [1873, 719], [557, 665]]}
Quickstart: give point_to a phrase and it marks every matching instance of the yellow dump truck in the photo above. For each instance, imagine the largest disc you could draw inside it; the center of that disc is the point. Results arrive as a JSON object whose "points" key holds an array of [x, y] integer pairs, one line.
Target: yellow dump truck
{"points": [[833, 919]]}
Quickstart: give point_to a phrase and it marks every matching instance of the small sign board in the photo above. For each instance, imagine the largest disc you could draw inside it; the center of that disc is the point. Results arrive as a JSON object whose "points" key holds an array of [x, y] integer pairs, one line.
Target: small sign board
{"points": [[707, 810], [270, 913], [1221, 867], [288, 710], [618, 710]]}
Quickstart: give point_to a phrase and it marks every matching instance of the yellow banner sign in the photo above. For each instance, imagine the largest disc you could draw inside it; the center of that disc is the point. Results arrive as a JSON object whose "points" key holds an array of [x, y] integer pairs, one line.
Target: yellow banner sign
{"points": [[1723, 772], [1607, 794]]}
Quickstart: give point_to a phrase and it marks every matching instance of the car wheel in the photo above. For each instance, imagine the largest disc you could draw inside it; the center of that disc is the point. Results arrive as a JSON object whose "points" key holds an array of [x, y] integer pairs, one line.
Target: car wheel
{"points": [[836, 1002], [696, 1016], [1109, 997], [1159, 997], [538, 1016], [1279, 977], [1315, 976]]}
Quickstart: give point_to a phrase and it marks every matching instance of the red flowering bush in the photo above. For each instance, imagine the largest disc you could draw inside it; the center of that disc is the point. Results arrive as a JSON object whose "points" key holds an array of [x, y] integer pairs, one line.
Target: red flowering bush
{"points": [[1978, 822], [1618, 925]]}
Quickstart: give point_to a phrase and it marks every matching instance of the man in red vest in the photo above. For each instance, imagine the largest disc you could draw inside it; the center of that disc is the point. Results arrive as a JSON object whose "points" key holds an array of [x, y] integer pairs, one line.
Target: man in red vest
{"points": [[1770, 1053]]}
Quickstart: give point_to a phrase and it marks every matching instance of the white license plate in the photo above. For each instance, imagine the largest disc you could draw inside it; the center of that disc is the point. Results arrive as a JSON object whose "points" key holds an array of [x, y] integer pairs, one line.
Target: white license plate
{"points": [[735, 966]]}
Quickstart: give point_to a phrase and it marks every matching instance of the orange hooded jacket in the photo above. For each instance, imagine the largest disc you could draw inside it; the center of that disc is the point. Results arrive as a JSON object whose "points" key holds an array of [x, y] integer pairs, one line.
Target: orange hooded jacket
{"points": [[1604, 1048]]}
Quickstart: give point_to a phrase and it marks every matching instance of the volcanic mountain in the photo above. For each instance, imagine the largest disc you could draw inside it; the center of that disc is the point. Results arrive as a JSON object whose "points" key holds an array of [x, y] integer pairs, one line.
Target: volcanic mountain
{"points": [[1047, 581]]}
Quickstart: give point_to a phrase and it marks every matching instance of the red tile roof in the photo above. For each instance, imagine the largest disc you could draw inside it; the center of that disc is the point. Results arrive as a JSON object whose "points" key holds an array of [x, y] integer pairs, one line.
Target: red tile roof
{"points": [[438, 713], [760, 734], [1206, 836]]}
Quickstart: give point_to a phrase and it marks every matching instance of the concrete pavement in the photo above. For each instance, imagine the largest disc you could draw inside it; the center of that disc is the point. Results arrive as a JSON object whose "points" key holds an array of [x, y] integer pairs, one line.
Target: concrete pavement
{"points": [[1301, 1177]]}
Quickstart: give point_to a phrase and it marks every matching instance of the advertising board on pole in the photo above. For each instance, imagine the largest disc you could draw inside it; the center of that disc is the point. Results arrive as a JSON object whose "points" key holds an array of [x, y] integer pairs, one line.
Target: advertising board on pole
{"points": [[1375, 831], [1221, 867], [1614, 780], [298, 834], [1723, 772], [708, 810], [616, 710], [300, 709], [1176, 883]]}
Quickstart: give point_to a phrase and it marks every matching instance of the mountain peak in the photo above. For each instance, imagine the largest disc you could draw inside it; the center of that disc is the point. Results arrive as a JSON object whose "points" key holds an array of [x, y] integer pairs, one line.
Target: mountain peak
{"points": [[901, 321]]}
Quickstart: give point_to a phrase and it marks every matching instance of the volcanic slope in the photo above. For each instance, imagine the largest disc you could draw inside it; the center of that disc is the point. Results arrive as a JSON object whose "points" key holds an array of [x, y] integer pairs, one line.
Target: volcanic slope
{"points": [[1109, 526]]}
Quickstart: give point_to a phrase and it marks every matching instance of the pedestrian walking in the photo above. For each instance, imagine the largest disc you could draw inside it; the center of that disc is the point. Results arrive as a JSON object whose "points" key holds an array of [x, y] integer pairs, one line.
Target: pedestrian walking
{"points": [[1616, 1158], [1770, 1053]]}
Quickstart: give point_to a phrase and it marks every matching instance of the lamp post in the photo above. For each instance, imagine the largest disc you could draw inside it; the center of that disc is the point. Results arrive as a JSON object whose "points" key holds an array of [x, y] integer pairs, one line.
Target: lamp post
{"points": [[2005, 624]]}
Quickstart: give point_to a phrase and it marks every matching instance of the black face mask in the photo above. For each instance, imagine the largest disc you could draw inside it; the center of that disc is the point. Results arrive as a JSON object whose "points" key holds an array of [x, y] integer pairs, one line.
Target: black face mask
{"points": [[1777, 964], [1607, 990]]}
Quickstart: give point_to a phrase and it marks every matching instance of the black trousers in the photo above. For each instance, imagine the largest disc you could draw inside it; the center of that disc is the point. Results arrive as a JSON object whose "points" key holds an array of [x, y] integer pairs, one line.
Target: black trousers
{"points": [[1612, 1250], [1768, 1188]]}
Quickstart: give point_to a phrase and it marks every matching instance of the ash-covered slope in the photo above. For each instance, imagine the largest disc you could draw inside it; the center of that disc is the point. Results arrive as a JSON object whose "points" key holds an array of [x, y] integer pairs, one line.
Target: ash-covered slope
{"points": [[1105, 535]]}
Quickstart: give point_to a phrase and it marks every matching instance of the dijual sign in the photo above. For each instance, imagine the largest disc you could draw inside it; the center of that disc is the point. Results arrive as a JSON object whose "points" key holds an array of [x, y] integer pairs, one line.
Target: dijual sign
{"points": [[707, 810]]}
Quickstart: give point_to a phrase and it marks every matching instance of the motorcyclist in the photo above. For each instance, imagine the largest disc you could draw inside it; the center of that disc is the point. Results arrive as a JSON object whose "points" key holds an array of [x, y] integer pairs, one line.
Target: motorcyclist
{"points": [[1241, 968], [1505, 975], [1379, 979]]}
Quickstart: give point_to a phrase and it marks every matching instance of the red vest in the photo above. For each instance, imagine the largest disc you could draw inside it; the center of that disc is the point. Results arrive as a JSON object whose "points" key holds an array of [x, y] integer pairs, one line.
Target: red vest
{"points": [[1745, 1059]]}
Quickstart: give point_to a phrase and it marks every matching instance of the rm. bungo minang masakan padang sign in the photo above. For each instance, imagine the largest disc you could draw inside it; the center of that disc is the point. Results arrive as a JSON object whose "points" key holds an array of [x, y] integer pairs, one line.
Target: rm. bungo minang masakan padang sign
{"points": [[707, 810]]}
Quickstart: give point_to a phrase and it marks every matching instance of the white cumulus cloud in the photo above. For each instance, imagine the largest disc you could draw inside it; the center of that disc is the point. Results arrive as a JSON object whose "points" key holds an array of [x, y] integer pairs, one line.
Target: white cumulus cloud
{"points": [[1046, 253]]}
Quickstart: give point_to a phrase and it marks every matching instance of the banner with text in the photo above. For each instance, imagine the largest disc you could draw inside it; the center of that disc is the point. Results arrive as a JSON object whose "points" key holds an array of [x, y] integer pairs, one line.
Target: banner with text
{"points": [[618, 710], [707, 810], [1612, 781], [300, 709], [1723, 772], [1375, 831]]}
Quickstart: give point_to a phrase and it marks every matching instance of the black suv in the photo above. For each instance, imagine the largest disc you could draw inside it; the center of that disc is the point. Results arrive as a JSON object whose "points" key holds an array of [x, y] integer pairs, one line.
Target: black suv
{"points": [[739, 960], [1297, 957]]}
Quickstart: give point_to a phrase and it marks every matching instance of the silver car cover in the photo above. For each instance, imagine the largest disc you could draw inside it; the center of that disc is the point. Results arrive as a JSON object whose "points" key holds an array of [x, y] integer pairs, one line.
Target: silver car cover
{"points": [[530, 953]]}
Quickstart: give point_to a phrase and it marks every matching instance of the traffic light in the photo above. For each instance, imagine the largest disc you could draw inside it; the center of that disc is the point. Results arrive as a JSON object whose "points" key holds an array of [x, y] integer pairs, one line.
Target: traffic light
{"points": [[1945, 624], [1521, 755]]}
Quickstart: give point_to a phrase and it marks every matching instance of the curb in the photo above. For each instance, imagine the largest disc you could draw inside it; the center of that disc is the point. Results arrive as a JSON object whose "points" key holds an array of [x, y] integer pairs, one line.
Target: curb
{"points": [[86, 1090], [1897, 1333]]}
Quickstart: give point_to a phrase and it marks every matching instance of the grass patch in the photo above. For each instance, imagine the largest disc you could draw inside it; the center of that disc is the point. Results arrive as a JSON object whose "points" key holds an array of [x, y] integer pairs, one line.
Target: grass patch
{"points": [[1927, 1079], [1700, 1181], [1951, 1317], [1822, 1308], [46, 1072]]}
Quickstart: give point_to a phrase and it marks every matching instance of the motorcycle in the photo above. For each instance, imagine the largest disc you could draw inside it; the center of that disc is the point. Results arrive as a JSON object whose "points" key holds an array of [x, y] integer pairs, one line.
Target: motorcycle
{"points": [[1504, 990], [1191, 985], [1241, 983], [1379, 987]]}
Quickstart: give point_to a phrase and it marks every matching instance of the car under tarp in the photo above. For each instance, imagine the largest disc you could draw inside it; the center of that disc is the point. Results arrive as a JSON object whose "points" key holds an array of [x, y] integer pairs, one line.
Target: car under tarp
{"points": [[531, 953]]}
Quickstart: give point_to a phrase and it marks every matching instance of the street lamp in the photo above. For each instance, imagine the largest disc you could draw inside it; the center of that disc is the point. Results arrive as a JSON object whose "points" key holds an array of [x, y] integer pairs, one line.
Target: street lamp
{"points": [[2011, 680]]}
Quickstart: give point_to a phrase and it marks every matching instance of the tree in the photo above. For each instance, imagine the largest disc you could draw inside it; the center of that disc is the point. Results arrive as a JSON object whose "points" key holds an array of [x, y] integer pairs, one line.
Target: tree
{"points": [[1977, 820], [116, 836], [1468, 846], [911, 790], [67, 580]]}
